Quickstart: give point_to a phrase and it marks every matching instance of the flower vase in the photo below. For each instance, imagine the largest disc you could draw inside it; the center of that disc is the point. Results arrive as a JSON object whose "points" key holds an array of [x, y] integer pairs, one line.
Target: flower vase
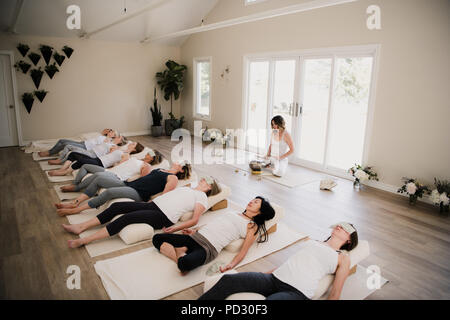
{"points": [[412, 199], [443, 209], [356, 184]]}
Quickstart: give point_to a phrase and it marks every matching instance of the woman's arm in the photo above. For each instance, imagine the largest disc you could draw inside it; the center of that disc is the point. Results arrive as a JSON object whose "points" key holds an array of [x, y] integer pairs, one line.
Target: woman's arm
{"points": [[172, 182], [269, 151], [198, 211], [145, 169], [125, 157], [249, 239], [290, 143], [342, 272]]}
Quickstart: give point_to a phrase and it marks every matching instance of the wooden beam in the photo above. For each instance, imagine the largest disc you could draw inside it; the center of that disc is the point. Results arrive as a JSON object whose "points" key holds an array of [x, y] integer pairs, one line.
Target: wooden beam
{"points": [[311, 5]]}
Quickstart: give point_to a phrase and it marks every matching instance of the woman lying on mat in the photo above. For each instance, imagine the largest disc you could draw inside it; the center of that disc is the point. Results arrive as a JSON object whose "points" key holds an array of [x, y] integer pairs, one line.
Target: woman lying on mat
{"points": [[195, 247], [142, 189], [299, 277], [95, 151], [127, 168], [280, 148], [76, 160], [160, 213], [107, 134]]}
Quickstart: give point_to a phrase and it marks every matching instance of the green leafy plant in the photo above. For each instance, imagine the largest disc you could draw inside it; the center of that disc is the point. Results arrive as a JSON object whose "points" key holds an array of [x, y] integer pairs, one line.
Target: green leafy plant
{"points": [[28, 99], [46, 52], [156, 111], [171, 81], [23, 49], [59, 58], [34, 57], [40, 94], [440, 195], [68, 51], [362, 174], [51, 70], [413, 188], [22, 65], [36, 75]]}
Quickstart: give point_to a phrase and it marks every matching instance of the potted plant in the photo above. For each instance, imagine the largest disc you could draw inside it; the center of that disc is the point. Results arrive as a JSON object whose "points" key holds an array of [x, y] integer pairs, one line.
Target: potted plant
{"points": [[414, 189], [22, 65], [28, 99], [440, 195], [362, 174], [171, 82], [51, 70], [46, 52], [34, 57], [68, 51], [40, 94], [36, 75], [59, 58], [156, 117], [23, 49]]}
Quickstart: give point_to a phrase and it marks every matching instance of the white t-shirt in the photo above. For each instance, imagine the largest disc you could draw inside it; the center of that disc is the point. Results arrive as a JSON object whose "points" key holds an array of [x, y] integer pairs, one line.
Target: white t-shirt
{"points": [[226, 228], [308, 266], [90, 143], [180, 201], [108, 160], [101, 149], [127, 169]]}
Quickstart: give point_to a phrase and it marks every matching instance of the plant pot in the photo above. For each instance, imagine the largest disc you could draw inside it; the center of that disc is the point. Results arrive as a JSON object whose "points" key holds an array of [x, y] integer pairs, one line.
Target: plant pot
{"points": [[40, 95], [356, 184], [157, 131], [27, 99], [170, 125], [59, 58], [23, 49], [68, 51], [51, 70], [412, 199], [22, 65], [34, 57], [36, 75], [443, 209], [46, 52]]}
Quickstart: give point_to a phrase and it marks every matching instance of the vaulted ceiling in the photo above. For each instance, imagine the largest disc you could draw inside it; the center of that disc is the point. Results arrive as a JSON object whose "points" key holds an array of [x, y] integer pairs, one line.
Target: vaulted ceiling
{"points": [[105, 19]]}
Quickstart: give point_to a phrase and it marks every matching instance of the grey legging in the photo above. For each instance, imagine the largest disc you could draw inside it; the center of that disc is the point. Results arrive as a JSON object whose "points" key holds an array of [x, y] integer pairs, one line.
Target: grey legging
{"points": [[99, 180], [64, 142], [114, 193], [69, 148], [84, 170]]}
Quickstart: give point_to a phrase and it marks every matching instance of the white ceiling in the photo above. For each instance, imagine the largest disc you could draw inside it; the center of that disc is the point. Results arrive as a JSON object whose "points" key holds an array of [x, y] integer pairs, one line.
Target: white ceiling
{"points": [[48, 18]]}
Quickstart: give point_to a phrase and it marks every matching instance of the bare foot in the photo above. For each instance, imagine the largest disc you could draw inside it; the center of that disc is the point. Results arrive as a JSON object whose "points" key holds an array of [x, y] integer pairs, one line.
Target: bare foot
{"points": [[67, 205], [169, 251], [54, 161], [64, 212], [72, 228], [44, 153], [180, 252], [67, 188], [74, 243]]}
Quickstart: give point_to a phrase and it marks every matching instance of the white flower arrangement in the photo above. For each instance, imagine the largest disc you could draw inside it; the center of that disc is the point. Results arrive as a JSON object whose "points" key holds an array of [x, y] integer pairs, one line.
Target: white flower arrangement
{"points": [[362, 174], [440, 195], [215, 135]]}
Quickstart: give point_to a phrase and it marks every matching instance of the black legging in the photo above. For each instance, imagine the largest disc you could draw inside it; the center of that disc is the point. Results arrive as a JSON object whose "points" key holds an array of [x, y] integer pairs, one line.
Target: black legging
{"points": [[82, 159], [195, 255], [133, 212]]}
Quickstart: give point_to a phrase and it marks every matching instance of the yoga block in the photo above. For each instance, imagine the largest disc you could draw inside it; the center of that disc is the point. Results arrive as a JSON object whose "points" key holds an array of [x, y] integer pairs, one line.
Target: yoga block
{"points": [[220, 205]]}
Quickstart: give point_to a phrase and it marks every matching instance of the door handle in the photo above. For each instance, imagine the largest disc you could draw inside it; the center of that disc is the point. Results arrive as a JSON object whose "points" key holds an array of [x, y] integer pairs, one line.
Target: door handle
{"points": [[296, 109], [11, 106]]}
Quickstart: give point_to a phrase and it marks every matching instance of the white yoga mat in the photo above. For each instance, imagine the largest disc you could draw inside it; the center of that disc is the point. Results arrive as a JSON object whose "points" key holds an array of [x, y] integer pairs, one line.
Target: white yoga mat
{"points": [[290, 180], [147, 274], [37, 157], [65, 195], [356, 288], [60, 178], [45, 166]]}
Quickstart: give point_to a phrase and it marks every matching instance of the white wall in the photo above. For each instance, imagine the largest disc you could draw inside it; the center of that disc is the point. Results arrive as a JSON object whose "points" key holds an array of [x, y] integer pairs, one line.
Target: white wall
{"points": [[103, 84], [410, 135]]}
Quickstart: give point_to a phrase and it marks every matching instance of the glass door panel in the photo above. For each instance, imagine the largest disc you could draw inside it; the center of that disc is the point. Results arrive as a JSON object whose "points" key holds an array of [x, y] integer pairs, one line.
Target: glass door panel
{"points": [[283, 91]]}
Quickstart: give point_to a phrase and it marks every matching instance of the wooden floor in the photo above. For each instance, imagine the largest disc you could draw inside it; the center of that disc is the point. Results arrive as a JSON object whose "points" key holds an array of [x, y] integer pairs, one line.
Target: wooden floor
{"points": [[411, 244]]}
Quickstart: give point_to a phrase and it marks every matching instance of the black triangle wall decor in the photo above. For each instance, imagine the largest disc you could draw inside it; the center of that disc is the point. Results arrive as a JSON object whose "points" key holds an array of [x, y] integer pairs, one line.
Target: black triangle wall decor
{"points": [[59, 58], [22, 65], [36, 75], [23, 49], [68, 51], [46, 52], [34, 57], [40, 94], [28, 99], [51, 70]]}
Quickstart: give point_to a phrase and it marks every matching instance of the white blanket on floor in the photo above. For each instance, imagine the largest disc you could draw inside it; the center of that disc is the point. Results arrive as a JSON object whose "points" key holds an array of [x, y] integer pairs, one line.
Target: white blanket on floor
{"points": [[147, 274], [44, 145]]}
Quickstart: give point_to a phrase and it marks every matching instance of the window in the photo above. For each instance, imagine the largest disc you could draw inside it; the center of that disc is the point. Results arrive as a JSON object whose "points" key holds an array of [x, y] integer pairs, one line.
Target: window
{"points": [[202, 88]]}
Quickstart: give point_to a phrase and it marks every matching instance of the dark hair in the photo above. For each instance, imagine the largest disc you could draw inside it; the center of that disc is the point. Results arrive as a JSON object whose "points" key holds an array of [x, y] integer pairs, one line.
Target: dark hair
{"points": [[186, 174], [157, 159], [279, 121], [267, 212], [348, 246], [139, 147], [123, 141]]}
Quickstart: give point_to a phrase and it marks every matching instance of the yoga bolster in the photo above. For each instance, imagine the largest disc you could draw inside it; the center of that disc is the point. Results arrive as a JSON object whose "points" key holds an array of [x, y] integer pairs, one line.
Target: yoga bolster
{"points": [[271, 226], [358, 254]]}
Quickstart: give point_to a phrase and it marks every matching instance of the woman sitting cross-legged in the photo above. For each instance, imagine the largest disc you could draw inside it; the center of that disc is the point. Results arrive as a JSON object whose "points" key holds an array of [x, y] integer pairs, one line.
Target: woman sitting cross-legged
{"points": [[77, 160], [107, 135], [298, 278], [96, 150], [160, 213], [142, 189], [195, 248]]}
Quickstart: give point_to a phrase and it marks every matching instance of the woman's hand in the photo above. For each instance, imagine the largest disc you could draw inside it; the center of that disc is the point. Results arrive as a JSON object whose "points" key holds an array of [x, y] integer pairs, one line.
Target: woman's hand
{"points": [[188, 231], [226, 268], [169, 229]]}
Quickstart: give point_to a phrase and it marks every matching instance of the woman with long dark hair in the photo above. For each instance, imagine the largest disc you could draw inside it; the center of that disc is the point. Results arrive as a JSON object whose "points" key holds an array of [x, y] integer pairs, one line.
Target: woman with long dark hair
{"points": [[199, 246], [280, 148], [299, 277]]}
